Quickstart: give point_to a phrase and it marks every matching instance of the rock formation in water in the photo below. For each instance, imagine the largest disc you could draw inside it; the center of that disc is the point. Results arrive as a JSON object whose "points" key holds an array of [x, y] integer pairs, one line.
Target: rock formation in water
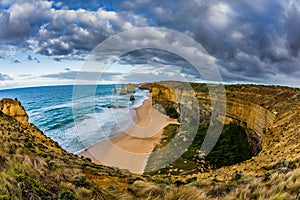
{"points": [[123, 91], [131, 88], [131, 98], [14, 109]]}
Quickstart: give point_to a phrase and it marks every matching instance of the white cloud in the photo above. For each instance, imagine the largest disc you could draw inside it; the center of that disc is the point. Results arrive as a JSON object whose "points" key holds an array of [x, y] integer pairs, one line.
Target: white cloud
{"points": [[220, 14]]}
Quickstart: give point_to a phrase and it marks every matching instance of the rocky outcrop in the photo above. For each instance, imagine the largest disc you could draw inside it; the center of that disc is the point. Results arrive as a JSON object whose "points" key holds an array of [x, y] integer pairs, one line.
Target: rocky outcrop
{"points": [[130, 88], [45, 170], [131, 98], [123, 91], [14, 109]]}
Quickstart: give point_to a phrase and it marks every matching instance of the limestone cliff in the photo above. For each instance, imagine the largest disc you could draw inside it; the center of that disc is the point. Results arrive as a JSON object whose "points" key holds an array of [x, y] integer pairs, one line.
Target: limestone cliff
{"points": [[14, 109], [270, 115]]}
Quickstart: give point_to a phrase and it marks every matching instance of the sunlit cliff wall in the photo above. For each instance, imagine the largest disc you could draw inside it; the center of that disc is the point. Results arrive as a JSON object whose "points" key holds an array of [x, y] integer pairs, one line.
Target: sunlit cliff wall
{"points": [[14, 109]]}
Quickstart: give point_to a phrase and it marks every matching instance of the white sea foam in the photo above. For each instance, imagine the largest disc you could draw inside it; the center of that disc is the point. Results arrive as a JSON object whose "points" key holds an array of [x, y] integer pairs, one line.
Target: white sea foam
{"points": [[94, 127]]}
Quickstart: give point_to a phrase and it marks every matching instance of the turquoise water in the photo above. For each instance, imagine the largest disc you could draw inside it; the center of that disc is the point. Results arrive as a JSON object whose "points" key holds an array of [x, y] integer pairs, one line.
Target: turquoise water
{"points": [[77, 122]]}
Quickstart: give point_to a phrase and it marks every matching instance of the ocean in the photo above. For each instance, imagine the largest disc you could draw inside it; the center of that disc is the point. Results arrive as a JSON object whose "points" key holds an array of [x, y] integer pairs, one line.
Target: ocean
{"points": [[77, 122]]}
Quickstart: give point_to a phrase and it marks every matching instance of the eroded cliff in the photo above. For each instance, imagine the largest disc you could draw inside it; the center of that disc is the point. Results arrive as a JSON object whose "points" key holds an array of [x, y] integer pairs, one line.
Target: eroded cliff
{"points": [[14, 109], [269, 114], [253, 117]]}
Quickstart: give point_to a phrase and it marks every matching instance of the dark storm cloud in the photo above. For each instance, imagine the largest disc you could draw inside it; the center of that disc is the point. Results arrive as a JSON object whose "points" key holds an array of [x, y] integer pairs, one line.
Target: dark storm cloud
{"points": [[158, 57], [72, 33], [254, 39], [73, 75], [251, 40], [59, 31]]}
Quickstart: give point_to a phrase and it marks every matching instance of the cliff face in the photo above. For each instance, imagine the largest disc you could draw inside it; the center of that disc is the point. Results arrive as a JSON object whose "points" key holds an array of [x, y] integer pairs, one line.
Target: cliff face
{"points": [[253, 117], [14, 109], [251, 114], [269, 114]]}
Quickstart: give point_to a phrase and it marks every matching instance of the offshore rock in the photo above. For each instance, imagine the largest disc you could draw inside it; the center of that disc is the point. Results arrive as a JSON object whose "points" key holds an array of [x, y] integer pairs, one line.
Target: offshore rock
{"points": [[132, 98], [123, 91], [14, 109], [131, 88]]}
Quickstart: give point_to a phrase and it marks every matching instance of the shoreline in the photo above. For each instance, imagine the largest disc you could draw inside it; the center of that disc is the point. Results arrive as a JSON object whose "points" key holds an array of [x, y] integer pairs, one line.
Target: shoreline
{"points": [[131, 149]]}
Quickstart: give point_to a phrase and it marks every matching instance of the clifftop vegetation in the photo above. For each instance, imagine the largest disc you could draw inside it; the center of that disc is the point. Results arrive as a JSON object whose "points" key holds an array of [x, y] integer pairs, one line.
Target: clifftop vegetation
{"points": [[32, 166]]}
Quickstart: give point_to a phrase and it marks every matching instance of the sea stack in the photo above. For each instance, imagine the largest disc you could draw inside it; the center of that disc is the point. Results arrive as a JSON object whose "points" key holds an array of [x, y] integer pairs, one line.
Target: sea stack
{"points": [[131, 88], [115, 89], [123, 91], [132, 98]]}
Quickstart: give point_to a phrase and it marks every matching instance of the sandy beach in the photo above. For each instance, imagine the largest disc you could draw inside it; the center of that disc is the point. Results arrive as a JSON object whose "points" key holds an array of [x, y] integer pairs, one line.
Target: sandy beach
{"points": [[131, 149]]}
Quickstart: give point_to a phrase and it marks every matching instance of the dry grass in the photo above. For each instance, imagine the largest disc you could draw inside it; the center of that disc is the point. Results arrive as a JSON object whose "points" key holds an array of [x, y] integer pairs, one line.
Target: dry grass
{"points": [[33, 166], [145, 190], [280, 186]]}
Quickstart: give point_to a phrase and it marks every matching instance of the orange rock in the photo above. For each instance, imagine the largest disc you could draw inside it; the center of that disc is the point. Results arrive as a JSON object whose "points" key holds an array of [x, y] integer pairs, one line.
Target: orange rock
{"points": [[14, 109]]}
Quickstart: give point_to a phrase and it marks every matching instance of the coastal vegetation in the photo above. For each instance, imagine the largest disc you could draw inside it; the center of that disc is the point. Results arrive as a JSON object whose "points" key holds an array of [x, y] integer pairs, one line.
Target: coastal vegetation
{"points": [[231, 148], [241, 165]]}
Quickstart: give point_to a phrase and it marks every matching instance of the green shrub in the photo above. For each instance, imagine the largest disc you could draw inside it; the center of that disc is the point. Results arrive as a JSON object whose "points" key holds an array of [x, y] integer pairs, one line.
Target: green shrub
{"points": [[292, 165], [30, 186], [267, 167], [66, 195], [171, 112], [5, 197], [43, 154], [20, 150], [81, 181], [54, 165], [30, 146]]}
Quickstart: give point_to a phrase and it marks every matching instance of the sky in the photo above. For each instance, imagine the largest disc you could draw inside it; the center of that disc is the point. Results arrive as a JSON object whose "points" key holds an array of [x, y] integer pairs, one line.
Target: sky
{"points": [[50, 42]]}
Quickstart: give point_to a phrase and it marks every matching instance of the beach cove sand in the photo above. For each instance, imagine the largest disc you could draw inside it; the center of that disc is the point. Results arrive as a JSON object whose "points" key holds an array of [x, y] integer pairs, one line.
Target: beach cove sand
{"points": [[131, 149]]}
